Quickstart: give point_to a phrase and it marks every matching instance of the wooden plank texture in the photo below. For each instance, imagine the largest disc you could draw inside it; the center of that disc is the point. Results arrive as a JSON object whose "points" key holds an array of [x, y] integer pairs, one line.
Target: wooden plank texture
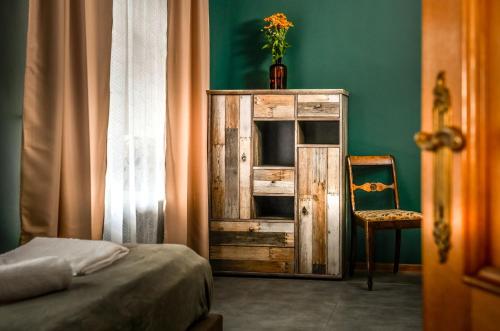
{"points": [[284, 91], [330, 98], [231, 189], [256, 145], [312, 183], [217, 151], [252, 226], [253, 266], [305, 234], [333, 216], [277, 239], [318, 190], [251, 253], [318, 105], [273, 181], [274, 106], [245, 156], [232, 111]]}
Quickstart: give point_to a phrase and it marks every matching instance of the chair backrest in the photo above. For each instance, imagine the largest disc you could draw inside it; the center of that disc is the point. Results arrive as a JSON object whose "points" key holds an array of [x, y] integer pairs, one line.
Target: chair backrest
{"points": [[372, 161]]}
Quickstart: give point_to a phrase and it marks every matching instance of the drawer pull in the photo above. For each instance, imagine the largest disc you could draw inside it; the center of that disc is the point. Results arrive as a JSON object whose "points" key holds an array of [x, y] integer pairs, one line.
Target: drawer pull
{"points": [[273, 181], [304, 211], [318, 106], [251, 229], [243, 157]]}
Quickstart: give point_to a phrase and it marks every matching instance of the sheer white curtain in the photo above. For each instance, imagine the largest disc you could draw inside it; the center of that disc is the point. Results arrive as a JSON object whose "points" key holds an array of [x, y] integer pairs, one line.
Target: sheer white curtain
{"points": [[135, 185]]}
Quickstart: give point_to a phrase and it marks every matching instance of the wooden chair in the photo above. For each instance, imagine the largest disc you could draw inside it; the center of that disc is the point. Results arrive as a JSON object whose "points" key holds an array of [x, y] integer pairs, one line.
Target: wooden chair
{"points": [[372, 220]]}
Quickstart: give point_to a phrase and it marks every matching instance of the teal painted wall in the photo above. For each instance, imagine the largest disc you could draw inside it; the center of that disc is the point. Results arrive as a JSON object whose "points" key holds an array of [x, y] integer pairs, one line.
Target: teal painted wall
{"points": [[13, 15], [371, 48]]}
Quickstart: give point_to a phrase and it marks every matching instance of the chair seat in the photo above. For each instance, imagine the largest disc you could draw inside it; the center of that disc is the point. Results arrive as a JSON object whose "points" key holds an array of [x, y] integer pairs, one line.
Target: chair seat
{"points": [[388, 215]]}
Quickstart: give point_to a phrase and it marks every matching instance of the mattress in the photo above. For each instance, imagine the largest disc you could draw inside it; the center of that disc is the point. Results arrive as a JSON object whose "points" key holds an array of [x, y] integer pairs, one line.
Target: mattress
{"points": [[155, 287]]}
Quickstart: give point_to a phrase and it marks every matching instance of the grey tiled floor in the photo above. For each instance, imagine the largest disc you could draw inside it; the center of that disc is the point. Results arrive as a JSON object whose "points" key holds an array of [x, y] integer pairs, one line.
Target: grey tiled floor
{"points": [[298, 304]]}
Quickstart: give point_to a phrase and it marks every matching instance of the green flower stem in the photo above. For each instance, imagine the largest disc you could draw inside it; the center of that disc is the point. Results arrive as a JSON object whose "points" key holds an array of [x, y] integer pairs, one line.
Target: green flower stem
{"points": [[276, 41]]}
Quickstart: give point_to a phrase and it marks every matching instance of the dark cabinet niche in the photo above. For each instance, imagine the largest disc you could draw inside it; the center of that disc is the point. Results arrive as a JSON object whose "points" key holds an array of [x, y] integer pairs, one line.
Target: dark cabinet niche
{"points": [[319, 132], [274, 143], [273, 207]]}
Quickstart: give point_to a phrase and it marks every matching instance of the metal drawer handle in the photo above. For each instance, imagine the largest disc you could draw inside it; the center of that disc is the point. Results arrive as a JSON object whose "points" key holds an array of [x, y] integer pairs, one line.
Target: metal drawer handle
{"points": [[243, 157], [318, 106], [251, 229]]}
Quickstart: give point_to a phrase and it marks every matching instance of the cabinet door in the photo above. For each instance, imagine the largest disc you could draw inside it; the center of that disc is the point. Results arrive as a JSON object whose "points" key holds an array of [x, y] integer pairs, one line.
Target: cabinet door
{"points": [[319, 210], [230, 140]]}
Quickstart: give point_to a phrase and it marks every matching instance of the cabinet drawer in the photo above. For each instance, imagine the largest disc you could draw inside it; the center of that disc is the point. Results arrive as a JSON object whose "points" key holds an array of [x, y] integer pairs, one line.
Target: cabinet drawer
{"points": [[273, 106], [251, 253], [252, 233], [252, 246], [273, 181], [270, 267], [317, 105], [252, 259]]}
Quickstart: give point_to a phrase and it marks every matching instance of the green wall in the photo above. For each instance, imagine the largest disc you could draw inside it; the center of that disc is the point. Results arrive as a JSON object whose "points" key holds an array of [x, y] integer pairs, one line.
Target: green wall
{"points": [[13, 15], [371, 48]]}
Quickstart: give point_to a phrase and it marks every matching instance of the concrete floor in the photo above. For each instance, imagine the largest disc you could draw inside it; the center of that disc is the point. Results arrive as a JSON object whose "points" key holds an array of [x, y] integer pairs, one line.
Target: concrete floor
{"points": [[298, 304]]}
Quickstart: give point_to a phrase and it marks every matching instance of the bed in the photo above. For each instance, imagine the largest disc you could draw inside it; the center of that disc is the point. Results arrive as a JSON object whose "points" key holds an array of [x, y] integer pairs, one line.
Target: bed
{"points": [[155, 287]]}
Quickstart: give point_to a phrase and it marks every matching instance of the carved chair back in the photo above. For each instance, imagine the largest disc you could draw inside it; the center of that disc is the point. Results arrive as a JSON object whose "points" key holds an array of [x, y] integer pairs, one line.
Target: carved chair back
{"points": [[372, 161]]}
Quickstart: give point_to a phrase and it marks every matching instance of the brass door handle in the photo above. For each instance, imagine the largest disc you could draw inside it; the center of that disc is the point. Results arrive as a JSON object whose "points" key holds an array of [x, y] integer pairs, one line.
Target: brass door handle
{"points": [[450, 137], [442, 142]]}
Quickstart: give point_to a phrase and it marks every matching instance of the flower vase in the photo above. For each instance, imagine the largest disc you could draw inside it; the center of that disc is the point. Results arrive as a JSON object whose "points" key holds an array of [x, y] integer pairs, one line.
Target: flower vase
{"points": [[277, 75]]}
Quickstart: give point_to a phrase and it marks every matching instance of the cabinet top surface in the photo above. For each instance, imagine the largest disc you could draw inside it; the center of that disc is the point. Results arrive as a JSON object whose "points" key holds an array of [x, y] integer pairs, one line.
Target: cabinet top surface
{"points": [[284, 91]]}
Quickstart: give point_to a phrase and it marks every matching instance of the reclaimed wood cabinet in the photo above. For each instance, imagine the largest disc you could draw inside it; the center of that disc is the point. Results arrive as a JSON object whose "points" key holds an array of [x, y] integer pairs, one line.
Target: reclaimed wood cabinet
{"points": [[277, 181]]}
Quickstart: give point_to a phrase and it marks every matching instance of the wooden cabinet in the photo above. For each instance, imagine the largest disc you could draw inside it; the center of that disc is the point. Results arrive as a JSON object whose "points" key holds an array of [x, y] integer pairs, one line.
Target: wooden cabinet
{"points": [[276, 181]]}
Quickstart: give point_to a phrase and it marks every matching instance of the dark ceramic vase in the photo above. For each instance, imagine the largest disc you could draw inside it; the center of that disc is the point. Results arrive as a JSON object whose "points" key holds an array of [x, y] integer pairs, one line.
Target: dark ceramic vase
{"points": [[277, 75]]}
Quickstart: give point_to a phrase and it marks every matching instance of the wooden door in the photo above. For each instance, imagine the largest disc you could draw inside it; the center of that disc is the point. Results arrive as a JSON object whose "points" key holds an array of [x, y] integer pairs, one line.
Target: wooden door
{"points": [[318, 196], [230, 154], [461, 256]]}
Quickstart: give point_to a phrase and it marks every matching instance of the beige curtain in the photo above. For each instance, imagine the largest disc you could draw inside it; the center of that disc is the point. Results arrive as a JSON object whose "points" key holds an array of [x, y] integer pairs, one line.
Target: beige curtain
{"points": [[65, 118], [186, 214]]}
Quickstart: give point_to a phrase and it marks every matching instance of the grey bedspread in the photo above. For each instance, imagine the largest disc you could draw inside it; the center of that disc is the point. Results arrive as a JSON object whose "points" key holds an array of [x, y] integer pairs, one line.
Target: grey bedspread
{"points": [[155, 287]]}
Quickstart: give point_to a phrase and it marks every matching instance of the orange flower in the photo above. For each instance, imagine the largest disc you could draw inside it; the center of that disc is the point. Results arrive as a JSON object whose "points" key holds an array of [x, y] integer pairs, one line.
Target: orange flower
{"points": [[275, 33], [278, 21]]}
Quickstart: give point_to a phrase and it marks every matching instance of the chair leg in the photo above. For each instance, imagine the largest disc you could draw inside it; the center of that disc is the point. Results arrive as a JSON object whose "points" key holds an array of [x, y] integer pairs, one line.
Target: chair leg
{"points": [[370, 253], [397, 250], [354, 248]]}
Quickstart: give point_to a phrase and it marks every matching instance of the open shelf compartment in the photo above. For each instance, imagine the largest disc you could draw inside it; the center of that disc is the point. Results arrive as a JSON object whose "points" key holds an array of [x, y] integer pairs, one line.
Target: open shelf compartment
{"points": [[274, 143], [318, 132], [274, 207]]}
